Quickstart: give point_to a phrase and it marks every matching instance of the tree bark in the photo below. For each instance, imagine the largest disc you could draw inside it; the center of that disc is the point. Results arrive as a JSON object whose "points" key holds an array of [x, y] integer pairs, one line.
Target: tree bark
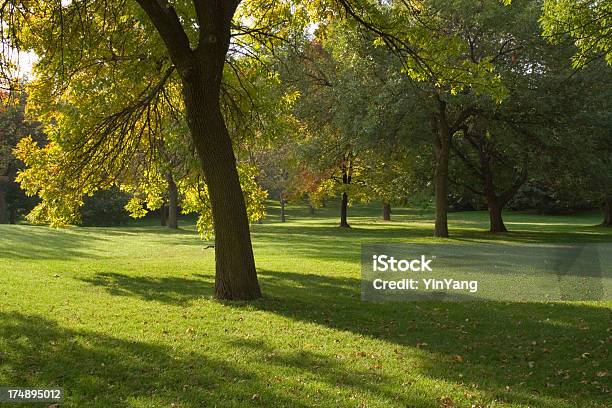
{"points": [[442, 145], [172, 202], [235, 276], [386, 211], [607, 210], [441, 184], [495, 217], [347, 174], [163, 215], [344, 211]]}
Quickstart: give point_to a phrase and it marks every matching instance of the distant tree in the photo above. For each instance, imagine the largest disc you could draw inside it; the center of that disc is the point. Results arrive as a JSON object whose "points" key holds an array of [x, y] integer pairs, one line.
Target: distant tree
{"points": [[497, 168], [275, 169]]}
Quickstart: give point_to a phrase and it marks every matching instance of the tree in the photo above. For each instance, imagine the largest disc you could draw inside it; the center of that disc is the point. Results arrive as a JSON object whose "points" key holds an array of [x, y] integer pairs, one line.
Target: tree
{"points": [[502, 143], [458, 46], [274, 166], [495, 165], [328, 149], [79, 38]]}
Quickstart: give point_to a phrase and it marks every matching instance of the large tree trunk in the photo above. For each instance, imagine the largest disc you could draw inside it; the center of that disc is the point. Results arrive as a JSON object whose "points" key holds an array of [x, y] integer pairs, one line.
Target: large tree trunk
{"points": [[172, 202], [607, 210], [386, 211], [444, 133], [344, 211], [495, 216], [235, 276]]}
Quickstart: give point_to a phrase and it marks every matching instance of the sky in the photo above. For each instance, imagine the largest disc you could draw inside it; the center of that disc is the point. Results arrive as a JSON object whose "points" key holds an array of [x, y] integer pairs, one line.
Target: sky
{"points": [[25, 62]]}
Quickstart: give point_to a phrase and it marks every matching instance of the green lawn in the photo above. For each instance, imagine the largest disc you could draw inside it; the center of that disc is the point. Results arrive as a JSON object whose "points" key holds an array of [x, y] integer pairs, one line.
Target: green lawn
{"points": [[123, 317]]}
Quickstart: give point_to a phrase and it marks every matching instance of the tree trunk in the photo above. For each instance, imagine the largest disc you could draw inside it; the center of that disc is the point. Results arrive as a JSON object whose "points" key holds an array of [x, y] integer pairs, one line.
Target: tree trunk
{"points": [[495, 204], [3, 212], [607, 210], [163, 215], [442, 146], [282, 209], [441, 185], [311, 209], [386, 211], [495, 216], [347, 174], [235, 277], [172, 202], [343, 211]]}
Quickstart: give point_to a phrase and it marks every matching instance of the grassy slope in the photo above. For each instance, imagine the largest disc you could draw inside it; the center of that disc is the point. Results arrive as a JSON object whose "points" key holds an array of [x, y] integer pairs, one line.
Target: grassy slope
{"points": [[123, 317]]}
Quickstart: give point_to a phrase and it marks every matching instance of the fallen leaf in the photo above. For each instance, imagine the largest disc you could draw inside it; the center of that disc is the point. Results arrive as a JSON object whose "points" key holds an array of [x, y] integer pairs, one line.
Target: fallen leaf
{"points": [[446, 402], [458, 358]]}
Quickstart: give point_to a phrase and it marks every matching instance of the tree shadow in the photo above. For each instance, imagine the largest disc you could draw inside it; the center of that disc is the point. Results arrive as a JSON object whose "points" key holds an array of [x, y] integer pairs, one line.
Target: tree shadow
{"points": [[535, 354], [509, 349], [169, 290], [39, 242], [97, 370]]}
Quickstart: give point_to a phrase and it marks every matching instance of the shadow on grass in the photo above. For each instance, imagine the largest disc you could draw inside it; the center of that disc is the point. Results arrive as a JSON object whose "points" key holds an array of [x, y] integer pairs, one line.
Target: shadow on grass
{"points": [[519, 352], [97, 370], [31, 242], [534, 354], [37, 242], [170, 290]]}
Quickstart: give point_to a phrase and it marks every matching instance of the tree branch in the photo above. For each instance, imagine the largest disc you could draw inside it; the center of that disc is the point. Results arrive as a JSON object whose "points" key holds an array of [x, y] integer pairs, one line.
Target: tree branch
{"points": [[166, 21]]}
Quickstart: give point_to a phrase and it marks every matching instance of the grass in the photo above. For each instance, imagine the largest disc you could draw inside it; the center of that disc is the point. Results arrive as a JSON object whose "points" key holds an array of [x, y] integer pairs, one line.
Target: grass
{"points": [[123, 317]]}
